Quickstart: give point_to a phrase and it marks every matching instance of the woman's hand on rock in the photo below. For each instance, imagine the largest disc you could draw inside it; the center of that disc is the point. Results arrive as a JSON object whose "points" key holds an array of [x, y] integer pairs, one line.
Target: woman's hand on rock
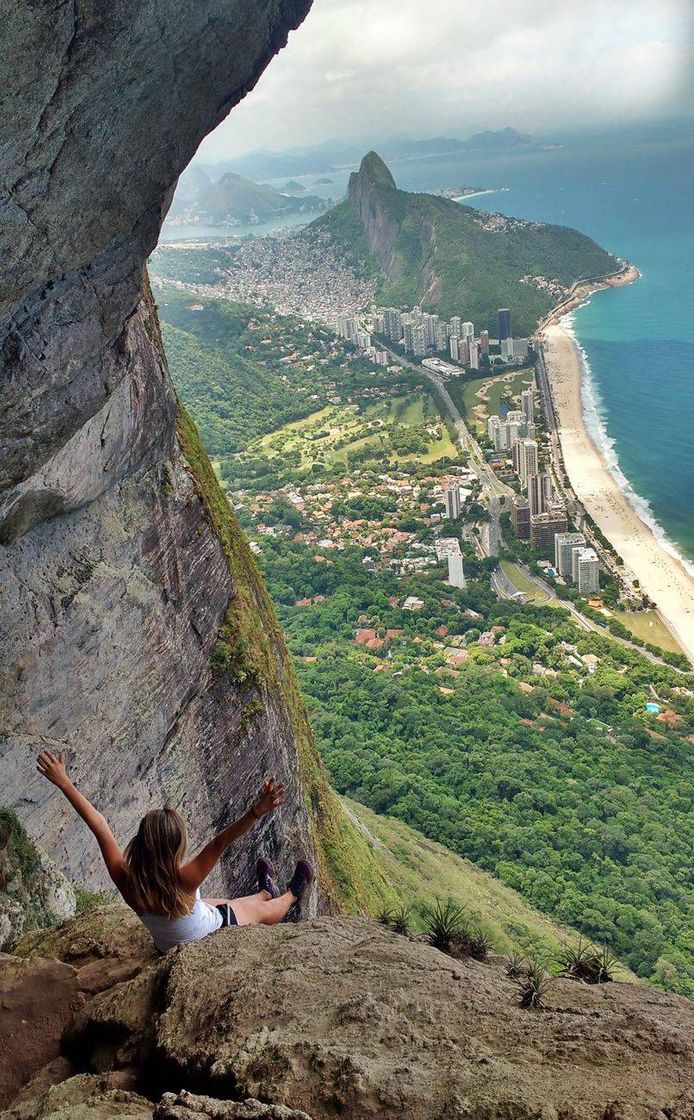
{"points": [[52, 766], [271, 797]]}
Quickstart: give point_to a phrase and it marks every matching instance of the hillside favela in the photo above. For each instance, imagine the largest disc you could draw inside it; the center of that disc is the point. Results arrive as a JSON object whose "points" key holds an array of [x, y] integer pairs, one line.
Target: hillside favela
{"points": [[346, 561]]}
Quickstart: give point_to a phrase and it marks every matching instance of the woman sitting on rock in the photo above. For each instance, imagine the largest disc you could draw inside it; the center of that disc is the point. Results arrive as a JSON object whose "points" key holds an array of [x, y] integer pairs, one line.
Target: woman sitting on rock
{"points": [[164, 891]]}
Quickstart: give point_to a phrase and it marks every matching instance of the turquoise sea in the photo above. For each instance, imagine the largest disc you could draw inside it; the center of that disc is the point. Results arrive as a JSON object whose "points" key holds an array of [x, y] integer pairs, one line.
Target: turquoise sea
{"points": [[633, 191]]}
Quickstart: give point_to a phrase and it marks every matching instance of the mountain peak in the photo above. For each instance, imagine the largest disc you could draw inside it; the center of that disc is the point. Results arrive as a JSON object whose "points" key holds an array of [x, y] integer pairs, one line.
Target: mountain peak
{"points": [[372, 172]]}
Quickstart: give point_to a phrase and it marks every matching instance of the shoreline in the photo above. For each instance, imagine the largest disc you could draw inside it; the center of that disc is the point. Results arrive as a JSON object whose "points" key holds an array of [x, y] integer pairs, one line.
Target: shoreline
{"points": [[661, 575]]}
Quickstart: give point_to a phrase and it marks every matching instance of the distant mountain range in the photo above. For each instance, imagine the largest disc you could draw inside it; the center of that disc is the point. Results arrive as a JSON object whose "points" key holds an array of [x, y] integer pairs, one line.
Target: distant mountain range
{"points": [[263, 164], [455, 259], [232, 198]]}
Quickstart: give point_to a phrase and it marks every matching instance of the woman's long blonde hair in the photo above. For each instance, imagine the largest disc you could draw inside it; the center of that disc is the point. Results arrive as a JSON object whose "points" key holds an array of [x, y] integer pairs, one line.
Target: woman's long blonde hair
{"points": [[154, 857]]}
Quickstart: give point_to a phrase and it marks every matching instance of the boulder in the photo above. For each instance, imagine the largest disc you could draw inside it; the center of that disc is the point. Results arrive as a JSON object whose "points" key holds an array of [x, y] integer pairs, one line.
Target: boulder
{"points": [[342, 1016], [37, 1001], [187, 1106], [83, 1097]]}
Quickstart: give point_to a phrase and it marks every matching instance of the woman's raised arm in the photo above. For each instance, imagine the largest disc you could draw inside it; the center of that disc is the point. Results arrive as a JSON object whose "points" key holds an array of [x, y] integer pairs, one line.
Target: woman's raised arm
{"points": [[196, 871], [53, 767]]}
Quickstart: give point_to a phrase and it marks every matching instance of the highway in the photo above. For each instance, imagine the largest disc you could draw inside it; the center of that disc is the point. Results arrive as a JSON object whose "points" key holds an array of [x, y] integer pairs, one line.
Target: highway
{"points": [[496, 493]]}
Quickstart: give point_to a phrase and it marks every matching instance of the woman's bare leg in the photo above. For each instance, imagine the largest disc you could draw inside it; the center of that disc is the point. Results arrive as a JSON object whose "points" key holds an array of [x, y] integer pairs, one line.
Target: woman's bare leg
{"points": [[259, 896], [259, 909]]}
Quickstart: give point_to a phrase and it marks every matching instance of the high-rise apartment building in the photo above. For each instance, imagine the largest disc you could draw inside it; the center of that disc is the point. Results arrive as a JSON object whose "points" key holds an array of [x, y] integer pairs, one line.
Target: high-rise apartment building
{"points": [[474, 359], [586, 570], [451, 500], [539, 492], [464, 352], [520, 518], [520, 348], [419, 341], [564, 544], [528, 404], [392, 323], [527, 463], [468, 331], [456, 576], [493, 428], [544, 528], [453, 347], [512, 433], [484, 342], [504, 323]]}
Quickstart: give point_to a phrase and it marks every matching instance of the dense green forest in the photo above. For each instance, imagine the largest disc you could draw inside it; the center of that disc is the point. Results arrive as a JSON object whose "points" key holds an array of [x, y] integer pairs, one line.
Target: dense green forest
{"points": [[458, 261], [507, 733], [563, 787]]}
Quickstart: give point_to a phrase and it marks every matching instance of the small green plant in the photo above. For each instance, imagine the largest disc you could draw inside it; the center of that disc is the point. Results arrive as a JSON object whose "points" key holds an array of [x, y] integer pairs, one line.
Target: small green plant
{"points": [[401, 920], [533, 985], [607, 965], [472, 942], [443, 922], [398, 920], [516, 965], [385, 917], [587, 963], [91, 900]]}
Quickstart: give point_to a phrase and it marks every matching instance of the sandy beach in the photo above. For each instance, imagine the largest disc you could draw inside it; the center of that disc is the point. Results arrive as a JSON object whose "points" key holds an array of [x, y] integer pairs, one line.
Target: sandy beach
{"points": [[661, 576]]}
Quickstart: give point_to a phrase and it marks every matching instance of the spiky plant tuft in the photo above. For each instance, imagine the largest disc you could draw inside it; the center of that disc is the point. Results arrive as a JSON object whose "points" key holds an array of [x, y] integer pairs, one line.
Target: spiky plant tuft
{"points": [[385, 917], [587, 963], [533, 985], [516, 965], [400, 920], [443, 922]]}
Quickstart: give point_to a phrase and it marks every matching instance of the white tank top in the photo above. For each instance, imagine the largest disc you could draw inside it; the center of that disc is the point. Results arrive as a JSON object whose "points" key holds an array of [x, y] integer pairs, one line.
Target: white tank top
{"points": [[169, 932]]}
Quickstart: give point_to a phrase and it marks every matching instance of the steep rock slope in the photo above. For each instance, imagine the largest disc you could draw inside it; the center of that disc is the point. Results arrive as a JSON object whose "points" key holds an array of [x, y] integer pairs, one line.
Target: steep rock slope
{"points": [[341, 1017], [454, 259], [33, 892], [119, 562]]}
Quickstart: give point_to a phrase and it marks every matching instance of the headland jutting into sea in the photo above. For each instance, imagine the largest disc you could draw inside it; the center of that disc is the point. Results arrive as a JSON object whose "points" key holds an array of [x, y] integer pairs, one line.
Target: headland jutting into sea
{"points": [[660, 573]]}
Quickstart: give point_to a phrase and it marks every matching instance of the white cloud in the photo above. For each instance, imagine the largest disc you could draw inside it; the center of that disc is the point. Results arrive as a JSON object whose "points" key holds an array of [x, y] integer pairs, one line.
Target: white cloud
{"points": [[370, 69]]}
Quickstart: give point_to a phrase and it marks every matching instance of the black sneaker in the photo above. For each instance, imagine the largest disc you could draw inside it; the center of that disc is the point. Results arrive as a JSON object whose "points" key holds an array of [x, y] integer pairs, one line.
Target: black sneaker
{"points": [[266, 877], [300, 880]]}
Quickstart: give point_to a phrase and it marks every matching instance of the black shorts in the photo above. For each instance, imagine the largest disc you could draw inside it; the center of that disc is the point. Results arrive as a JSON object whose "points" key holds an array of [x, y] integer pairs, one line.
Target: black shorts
{"points": [[228, 915]]}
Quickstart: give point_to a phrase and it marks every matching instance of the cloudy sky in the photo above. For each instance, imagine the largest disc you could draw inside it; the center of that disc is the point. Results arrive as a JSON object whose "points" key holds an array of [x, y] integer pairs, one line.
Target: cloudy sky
{"points": [[369, 69]]}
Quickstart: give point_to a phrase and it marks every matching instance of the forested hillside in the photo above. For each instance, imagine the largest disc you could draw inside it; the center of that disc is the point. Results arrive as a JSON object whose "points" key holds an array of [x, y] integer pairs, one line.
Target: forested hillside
{"points": [[454, 259]]}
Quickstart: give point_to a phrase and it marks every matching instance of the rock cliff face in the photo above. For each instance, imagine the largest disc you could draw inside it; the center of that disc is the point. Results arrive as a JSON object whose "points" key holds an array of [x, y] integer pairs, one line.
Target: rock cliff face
{"points": [[374, 191], [135, 632], [335, 1017]]}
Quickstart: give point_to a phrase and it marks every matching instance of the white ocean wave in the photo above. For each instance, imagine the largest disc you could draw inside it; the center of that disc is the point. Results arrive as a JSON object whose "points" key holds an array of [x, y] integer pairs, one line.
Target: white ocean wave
{"points": [[595, 416]]}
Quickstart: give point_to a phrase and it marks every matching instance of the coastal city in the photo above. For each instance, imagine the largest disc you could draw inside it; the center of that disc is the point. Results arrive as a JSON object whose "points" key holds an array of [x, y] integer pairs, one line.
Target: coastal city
{"points": [[522, 481], [538, 514]]}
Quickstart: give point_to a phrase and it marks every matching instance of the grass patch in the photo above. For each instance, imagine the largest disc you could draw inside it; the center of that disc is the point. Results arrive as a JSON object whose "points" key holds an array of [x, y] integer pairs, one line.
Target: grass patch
{"points": [[649, 626]]}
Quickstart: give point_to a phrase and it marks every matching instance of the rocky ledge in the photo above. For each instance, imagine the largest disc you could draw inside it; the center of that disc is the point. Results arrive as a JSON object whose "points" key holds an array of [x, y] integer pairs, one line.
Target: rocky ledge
{"points": [[335, 1016]]}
